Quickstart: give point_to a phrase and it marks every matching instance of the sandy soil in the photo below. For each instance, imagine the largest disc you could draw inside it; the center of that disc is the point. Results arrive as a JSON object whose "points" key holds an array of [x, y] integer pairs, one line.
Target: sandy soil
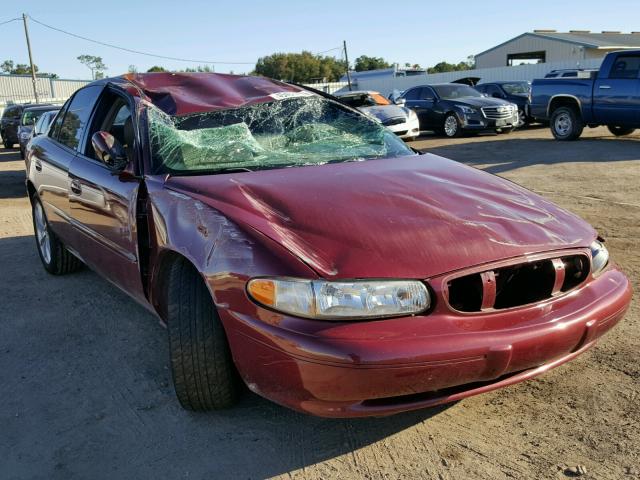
{"points": [[86, 391]]}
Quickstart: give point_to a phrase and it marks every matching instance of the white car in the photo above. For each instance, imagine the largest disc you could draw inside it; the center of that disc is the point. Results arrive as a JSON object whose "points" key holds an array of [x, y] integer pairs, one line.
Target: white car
{"points": [[400, 120]]}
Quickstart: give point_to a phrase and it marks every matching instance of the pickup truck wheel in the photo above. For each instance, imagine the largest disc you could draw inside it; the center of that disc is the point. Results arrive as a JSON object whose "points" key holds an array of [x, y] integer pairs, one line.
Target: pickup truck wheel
{"points": [[620, 131], [204, 375], [55, 258], [451, 126], [566, 124]]}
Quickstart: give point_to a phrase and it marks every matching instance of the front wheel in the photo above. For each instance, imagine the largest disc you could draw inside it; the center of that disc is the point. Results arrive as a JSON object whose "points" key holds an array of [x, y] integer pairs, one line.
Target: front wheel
{"points": [[204, 375], [566, 124], [452, 126], [620, 131], [55, 258]]}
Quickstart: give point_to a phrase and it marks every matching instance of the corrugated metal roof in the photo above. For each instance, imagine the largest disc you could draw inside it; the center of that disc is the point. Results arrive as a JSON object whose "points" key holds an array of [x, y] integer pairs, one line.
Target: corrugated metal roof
{"points": [[585, 39], [597, 40]]}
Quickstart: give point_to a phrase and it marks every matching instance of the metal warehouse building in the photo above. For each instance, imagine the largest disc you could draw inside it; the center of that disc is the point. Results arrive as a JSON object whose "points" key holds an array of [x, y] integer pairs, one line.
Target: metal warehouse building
{"points": [[549, 46]]}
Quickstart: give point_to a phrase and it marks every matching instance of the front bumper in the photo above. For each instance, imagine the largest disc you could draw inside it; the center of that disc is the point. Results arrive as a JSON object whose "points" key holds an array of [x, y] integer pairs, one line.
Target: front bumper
{"points": [[355, 369], [481, 123], [408, 129]]}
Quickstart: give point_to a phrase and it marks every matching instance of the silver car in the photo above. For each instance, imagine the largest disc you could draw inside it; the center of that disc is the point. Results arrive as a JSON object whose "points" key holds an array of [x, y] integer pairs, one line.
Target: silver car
{"points": [[400, 120]]}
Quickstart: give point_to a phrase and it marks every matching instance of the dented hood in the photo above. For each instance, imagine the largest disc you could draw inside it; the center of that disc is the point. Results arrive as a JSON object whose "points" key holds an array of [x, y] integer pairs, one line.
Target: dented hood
{"points": [[409, 217]]}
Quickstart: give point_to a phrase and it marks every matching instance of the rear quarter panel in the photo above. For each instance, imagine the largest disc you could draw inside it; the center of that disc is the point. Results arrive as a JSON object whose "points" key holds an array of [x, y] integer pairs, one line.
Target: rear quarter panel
{"points": [[543, 91]]}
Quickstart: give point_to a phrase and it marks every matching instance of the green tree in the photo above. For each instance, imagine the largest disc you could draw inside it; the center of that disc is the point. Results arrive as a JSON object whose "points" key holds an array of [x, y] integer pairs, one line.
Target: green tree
{"points": [[300, 67], [95, 64], [443, 67], [156, 68], [199, 68], [133, 69], [363, 63], [9, 67]]}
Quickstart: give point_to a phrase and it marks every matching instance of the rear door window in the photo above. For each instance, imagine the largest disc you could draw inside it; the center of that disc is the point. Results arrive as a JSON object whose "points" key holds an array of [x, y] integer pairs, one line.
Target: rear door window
{"points": [[77, 115], [626, 67], [413, 94]]}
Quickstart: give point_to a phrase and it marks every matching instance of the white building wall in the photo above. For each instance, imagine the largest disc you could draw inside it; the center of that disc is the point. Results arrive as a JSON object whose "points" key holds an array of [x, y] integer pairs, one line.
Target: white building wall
{"points": [[388, 84], [19, 89], [556, 51]]}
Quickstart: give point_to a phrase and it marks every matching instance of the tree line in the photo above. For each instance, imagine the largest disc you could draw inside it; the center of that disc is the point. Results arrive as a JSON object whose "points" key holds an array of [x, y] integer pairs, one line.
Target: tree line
{"points": [[304, 67]]}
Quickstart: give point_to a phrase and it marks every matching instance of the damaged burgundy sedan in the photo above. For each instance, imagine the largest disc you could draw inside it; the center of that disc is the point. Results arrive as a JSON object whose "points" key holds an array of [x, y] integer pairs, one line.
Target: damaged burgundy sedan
{"points": [[291, 243]]}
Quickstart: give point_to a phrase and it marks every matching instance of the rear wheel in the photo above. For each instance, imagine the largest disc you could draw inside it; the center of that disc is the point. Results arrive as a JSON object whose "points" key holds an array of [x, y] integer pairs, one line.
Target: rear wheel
{"points": [[620, 131], [204, 375], [7, 144], [451, 126], [55, 258], [566, 124]]}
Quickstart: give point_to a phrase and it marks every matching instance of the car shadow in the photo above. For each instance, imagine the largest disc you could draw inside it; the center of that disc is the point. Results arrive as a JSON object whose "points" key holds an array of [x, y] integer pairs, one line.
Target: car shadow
{"points": [[87, 388], [504, 154], [12, 184]]}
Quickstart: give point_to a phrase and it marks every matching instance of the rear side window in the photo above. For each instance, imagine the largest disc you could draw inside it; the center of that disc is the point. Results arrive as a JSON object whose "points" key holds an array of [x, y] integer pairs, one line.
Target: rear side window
{"points": [[626, 66], [12, 112], [413, 94], [77, 115], [55, 128]]}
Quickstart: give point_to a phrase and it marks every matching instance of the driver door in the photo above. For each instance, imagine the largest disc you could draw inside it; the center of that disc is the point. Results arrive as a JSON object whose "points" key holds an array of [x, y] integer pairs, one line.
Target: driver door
{"points": [[103, 202]]}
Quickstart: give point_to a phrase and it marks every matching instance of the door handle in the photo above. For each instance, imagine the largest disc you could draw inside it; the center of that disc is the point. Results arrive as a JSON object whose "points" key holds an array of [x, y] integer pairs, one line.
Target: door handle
{"points": [[38, 165], [605, 87], [75, 187]]}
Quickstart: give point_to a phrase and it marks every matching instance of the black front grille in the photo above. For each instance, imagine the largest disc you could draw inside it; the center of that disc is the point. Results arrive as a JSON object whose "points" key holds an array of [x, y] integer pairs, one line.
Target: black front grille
{"points": [[394, 121], [517, 285]]}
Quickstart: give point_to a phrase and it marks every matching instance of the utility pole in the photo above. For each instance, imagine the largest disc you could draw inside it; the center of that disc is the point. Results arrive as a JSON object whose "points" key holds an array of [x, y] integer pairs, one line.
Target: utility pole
{"points": [[33, 68], [346, 59]]}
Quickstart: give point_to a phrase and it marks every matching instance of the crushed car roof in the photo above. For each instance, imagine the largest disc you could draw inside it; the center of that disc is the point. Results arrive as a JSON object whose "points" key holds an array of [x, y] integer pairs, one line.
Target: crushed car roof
{"points": [[185, 93]]}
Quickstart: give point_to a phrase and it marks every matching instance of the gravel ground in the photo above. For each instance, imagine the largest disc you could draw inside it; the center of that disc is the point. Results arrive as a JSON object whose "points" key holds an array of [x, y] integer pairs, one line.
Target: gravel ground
{"points": [[86, 390]]}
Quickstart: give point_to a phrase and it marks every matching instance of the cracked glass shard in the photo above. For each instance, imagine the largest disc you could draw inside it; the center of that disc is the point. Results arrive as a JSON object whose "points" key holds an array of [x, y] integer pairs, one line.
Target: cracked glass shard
{"points": [[308, 130]]}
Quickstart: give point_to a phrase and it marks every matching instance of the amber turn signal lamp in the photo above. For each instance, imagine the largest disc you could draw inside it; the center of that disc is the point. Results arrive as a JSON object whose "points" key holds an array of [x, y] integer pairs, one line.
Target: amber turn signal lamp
{"points": [[263, 291]]}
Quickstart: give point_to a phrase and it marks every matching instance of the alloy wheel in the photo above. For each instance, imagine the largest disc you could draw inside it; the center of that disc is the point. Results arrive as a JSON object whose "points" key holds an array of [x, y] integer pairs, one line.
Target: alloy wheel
{"points": [[563, 124], [450, 126], [42, 233]]}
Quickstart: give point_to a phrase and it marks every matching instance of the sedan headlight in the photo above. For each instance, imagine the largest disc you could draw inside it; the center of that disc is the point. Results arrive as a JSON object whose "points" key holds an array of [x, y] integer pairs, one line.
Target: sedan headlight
{"points": [[599, 257], [467, 110], [24, 135], [343, 300]]}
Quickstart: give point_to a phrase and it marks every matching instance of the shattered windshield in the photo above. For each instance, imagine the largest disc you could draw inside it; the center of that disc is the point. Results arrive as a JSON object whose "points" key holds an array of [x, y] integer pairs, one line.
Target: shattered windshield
{"points": [[305, 130]]}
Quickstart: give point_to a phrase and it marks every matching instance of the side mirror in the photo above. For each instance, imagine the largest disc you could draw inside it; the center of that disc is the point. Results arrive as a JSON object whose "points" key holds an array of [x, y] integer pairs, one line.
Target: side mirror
{"points": [[400, 101], [109, 150]]}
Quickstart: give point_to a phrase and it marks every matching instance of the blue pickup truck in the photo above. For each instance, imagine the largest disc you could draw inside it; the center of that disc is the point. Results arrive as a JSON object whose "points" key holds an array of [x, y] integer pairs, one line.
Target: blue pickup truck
{"points": [[610, 97]]}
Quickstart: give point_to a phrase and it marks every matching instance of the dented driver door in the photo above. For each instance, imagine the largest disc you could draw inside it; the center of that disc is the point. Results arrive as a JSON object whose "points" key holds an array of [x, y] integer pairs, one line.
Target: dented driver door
{"points": [[103, 202]]}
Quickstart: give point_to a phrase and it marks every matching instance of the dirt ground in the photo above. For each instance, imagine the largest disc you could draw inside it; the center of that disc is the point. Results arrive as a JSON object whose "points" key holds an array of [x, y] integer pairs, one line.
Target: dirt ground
{"points": [[85, 390]]}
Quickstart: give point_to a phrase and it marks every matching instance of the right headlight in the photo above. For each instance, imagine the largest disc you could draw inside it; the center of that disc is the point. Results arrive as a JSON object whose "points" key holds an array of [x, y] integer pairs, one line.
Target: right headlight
{"points": [[467, 110], [599, 257], [340, 300]]}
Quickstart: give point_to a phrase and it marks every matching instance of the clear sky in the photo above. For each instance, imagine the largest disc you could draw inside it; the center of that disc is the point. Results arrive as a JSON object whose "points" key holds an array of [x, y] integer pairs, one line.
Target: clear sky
{"points": [[423, 32]]}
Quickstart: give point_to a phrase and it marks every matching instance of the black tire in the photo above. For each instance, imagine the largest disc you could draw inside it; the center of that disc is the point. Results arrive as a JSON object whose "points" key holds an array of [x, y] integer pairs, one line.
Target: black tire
{"points": [[566, 124], [22, 153], [204, 375], [505, 130], [620, 131], [448, 124], [7, 144], [58, 260]]}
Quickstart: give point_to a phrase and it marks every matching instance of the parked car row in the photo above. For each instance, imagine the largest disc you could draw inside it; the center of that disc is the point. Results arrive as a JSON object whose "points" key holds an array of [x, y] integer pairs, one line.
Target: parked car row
{"points": [[18, 121]]}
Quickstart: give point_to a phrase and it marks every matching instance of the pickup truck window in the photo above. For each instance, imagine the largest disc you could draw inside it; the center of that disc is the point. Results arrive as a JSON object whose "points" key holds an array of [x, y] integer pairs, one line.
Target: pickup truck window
{"points": [[626, 67], [77, 116]]}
